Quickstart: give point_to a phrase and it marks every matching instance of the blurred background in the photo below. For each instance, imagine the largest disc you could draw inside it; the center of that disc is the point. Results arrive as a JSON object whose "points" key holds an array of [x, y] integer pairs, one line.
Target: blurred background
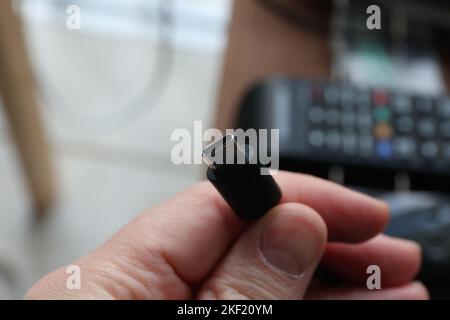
{"points": [[110, 95], [93, 89]]}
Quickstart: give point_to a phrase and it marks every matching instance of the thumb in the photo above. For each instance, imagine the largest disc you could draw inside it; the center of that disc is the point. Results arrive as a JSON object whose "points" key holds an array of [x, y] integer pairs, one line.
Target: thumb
{"points": [[274, 259]]}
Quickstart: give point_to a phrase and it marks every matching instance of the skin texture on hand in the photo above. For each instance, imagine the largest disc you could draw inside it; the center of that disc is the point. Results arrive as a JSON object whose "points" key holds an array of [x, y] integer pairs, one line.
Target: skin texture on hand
{"points": [[194, 247]]}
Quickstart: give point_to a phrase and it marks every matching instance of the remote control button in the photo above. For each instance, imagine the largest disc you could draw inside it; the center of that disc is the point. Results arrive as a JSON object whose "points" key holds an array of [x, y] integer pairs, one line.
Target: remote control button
{"points": [[366, 146], [363, 100], [332, 117], [333, 139], [405, 124], [316, 115], [445, 129], [424, 105], [384, 149], [380, 97], [383, 131], [404, 148], [402, 104], [426, 128], [382, 114], [317, 94], [365, 122], [331, 95], [347, 97], [349, 143], [429, 149], [348, 119], [444, 108], [316, 139]]}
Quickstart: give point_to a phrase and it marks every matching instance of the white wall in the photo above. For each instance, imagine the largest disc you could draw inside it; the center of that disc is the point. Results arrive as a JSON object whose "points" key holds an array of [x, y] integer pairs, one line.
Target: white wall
{"points": [[199, 25]]}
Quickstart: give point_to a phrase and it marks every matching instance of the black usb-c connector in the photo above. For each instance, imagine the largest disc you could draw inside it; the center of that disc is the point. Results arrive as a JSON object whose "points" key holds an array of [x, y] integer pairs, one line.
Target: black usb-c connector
{"points": [[240, 181]]}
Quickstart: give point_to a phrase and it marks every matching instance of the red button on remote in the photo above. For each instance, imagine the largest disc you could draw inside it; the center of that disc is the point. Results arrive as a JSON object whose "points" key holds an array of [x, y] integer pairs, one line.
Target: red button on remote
{"points": [[380, 97]]}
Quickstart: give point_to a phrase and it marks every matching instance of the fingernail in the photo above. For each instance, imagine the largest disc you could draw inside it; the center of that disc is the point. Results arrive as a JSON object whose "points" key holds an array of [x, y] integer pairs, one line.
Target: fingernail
{"points": [[290, 245]]}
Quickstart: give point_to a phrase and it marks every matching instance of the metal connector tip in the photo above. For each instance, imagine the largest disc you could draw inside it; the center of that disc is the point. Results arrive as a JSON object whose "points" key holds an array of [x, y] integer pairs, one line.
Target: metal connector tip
{"points": [[221, 151]]}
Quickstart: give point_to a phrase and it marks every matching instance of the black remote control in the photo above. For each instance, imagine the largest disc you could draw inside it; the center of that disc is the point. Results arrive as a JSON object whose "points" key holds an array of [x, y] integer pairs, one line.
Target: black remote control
{"points": [[374, 134]]}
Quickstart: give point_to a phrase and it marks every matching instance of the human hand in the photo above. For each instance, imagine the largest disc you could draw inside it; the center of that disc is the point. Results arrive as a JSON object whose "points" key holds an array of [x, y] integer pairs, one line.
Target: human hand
{"points": [[194, 247]]}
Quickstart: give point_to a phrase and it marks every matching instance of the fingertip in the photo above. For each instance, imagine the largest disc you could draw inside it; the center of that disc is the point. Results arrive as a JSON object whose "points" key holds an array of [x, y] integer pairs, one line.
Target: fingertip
{"points": [[384, 211], [295, 214], [409, 246], [293, 238], [418, 291], [350, 216], [399, 259], [380, 219], [373, 218], [411, 253]]}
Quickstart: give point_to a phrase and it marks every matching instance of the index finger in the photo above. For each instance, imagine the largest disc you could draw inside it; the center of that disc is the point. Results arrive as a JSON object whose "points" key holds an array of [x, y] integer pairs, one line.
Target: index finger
{"points": [[350, 216]]}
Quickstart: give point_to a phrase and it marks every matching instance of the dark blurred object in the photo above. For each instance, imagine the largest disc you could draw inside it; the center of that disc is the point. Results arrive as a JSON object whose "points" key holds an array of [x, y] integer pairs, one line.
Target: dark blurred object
{"points": [[304, 13], [424, 218], [377, 136]]}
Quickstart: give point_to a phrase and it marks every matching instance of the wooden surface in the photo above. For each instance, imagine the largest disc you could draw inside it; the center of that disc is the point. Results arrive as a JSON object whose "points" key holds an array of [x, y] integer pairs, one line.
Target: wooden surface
{"points": [[17, 92], [261, 45]]}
